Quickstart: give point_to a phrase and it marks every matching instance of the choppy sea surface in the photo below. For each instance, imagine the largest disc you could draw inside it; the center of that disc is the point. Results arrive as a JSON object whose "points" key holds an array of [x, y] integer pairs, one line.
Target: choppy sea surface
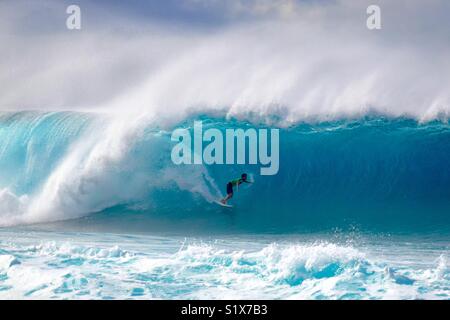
{"points": [[74, 265]]}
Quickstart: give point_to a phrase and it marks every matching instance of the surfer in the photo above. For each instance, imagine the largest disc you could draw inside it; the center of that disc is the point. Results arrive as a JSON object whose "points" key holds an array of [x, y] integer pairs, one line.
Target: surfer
{"points": [[234, 183]]}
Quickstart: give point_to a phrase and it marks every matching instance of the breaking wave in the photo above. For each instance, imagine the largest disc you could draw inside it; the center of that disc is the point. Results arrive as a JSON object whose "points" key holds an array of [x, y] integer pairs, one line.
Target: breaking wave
{"points": [[373, 171]]}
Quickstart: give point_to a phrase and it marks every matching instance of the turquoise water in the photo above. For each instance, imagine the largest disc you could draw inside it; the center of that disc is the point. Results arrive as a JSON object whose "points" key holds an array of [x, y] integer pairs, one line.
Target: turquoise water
{"points": [[91, 206], [60, 265]]}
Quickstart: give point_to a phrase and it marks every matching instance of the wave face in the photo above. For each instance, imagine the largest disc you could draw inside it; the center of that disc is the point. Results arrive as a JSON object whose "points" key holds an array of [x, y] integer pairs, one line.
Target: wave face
{"points": [[375, 173]]}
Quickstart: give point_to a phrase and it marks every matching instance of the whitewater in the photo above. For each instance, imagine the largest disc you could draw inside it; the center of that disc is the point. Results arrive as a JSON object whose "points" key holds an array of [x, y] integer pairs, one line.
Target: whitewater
{"points": [[69, 265]]}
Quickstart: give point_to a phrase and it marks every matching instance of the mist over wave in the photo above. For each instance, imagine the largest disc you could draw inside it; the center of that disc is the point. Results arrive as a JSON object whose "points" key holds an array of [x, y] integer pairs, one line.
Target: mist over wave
{"points": [[306, 62]]}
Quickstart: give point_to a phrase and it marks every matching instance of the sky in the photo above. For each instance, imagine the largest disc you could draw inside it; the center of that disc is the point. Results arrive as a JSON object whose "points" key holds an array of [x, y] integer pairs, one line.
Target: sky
{"points": [[299, 59]]}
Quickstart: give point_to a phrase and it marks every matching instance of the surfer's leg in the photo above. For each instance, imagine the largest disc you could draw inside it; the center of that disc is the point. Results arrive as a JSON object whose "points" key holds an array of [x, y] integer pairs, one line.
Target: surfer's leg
{"points": [[229, 193], [224, 200]]}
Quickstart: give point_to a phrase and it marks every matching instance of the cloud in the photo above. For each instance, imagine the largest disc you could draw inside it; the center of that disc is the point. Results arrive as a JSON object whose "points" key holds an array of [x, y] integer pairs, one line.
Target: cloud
{"points": [[257, 8], [301, 59]]}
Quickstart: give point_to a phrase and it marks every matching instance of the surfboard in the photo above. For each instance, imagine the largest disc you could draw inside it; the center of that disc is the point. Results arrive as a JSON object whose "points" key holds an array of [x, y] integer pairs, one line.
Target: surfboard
{"points": [[223, 204]]}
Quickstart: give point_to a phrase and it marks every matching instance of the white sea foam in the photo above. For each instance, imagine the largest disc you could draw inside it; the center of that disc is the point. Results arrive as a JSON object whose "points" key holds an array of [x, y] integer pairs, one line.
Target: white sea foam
{"points": [[152, 269]]}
